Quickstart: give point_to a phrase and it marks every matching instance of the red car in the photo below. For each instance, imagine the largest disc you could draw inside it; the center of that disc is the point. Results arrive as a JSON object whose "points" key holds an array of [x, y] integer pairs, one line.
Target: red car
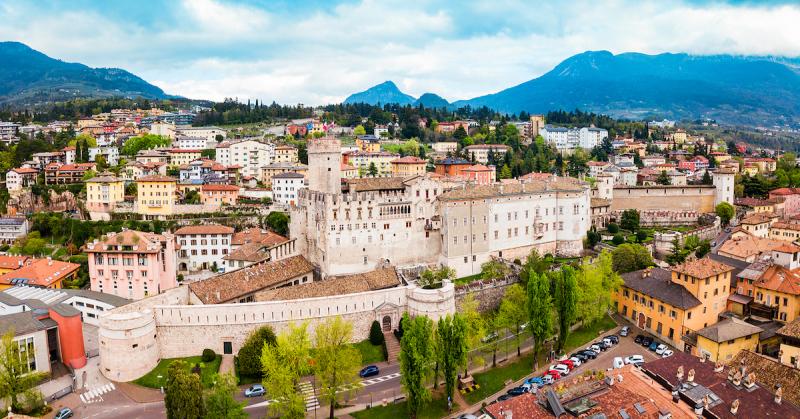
{"points": [[568, 363], [553, 373]]}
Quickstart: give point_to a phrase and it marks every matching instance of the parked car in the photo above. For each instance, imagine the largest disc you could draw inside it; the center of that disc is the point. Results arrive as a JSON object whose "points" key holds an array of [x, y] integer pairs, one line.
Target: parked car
{"points": [[535, 381], [63, 413], [667, 353], [467, 416], [661, 348], [517, 391], [576, 361], [589, 353], [580, 356], [490, 337], [613, 338], [256, 390], [369, 371], [654, 345], [618, 362], [561, 369], [548, 379], [605, 344], [594, 348], [624, 331], [634, 359], [646, 341], [571, 365], [554, 373], [504, 397], [638, 339], [600, 345]]}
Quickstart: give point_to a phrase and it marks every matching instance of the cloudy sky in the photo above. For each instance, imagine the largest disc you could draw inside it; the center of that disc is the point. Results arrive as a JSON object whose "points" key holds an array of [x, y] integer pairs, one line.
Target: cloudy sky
{"points": [[318, 52]]}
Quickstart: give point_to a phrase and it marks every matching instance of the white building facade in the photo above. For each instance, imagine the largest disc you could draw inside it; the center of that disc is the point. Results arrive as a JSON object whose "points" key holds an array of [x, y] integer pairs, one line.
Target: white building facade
{"points": [[203, 246], [251, 155], [286, 187]]}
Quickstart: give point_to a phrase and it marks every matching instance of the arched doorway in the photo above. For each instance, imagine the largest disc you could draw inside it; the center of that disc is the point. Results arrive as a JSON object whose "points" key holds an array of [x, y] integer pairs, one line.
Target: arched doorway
{"points": [[386, 323], [182, 266], [641, 320]]}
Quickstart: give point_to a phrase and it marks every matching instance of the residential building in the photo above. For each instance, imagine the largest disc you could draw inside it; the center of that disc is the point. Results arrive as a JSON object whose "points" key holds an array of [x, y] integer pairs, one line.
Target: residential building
{"points": [[285, 188], [765, 165], [153, 156], [451, 166], [211, 134], [104, 192], [653, 160], [219, 195], [382, 161], [349, 172], [190, 143], [790, 343], [774, 287], [369, 143], [181, 156], [203, 246], [20, 178], [132, 264], [790, 198], [135, 170], [445, 147], [597, 167], [785, 231], [721, 342], [8, 129], [44, 158], [748, 247], [759, 224], [591, 137], [451, 127], [482, 152], [109, 153], [537, 123], [46, 273], [286, 154], [250, 155], [65, 174], [155, 196], [562, 138], [408, 166], [480, 174], [12, 228], [268, 171]]}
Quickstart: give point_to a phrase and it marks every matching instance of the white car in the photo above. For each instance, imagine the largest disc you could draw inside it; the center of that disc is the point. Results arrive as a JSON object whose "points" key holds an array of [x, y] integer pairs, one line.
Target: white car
{"points": [[661, 348], [594, 348], [667, 353], [609, 343], [548, 379], [576, 361], [634, 359], [561, 368], [618, 363]]}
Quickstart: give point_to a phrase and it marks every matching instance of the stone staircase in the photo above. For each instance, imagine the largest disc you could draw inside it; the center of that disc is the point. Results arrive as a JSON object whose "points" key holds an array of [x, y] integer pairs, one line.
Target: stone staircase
{"points": [[392, 347], [307, 389]]}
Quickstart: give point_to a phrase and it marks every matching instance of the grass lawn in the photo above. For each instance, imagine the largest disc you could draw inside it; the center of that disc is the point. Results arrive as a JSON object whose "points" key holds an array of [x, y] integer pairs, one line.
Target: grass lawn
{"points": [[370, 354], [494, 379], [436, 409], [207, 371], [468, 279]]}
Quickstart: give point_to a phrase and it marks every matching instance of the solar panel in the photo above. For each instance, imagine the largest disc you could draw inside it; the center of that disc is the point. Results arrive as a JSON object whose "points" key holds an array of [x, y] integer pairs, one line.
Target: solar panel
{"points": [[639, 408]]}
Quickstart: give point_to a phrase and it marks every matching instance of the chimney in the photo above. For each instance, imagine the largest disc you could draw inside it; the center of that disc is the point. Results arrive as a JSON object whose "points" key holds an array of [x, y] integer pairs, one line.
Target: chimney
{"points": [[49, 261], [778, 393], [735, 407]]}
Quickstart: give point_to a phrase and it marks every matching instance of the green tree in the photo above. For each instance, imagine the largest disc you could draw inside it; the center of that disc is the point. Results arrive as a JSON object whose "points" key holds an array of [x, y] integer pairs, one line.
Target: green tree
{"points": [[565, 303], [725, 211], [278, 222], [663, 179], [641, 236], [476, 328], [15, 375], [595, 281], [494, 269], [415, 361], [505, 172], [535, 263], [513, 312], [451, 336], [618, 239], [359, 130], [248, 359], [460, 133], [220, 402], [613, 228], [540, 312], [337, 362], [372, 170], [706, 179], [630, 219], [433, 278], [282, 365], [376, 334], [191, 197], [631, 257], [145, 142], [183, 393]]}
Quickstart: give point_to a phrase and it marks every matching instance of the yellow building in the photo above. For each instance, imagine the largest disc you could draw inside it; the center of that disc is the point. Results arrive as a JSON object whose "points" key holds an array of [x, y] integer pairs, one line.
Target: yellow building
{"points": [[722, 341], [679, 136], [270, 170], [758, 224], [104, 192], [179, 157], [790, 343], [408, 166], [368, 143], [363, 160], [750, 170], [286, 154], [788, 232], [677, 303], [155, 196], [45, 273]]}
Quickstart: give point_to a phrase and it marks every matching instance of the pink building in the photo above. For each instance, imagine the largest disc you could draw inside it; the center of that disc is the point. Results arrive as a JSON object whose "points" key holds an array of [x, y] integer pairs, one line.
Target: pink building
{"points": [[790, 198], [133, 264], [482, 175]]}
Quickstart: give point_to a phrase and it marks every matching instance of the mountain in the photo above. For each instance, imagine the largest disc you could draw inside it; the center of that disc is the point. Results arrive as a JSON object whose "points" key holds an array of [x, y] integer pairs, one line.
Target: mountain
{"points": [[28, 77], [432, 100], [386, 92], [727, 88]]}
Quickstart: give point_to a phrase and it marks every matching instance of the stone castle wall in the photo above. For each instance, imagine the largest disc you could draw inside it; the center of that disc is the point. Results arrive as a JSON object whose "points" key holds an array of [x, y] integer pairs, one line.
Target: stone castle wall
{"points": [[698, 198]]}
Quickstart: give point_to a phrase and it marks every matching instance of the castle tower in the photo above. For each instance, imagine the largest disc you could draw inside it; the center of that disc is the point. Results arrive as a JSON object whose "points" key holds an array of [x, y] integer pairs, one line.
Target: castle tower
{"points": [[724, 183], [325, 165], [605, 186]]}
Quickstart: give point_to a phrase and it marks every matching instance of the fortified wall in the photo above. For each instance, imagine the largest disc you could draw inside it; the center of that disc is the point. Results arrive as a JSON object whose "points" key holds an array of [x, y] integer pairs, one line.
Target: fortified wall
{"points": [[135, 337], [697, 199]]}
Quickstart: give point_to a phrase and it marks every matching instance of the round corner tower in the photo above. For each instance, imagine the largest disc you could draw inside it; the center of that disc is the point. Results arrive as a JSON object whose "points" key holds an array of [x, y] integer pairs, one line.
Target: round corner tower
{"points": [[724, 181], [325, 165]]}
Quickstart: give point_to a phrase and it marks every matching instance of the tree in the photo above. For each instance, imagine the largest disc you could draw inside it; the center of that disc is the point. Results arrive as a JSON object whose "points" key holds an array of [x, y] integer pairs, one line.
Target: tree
{"points": [[663, 179], [415, 357], [451, 336], [278, 222], [613, 228], [641, 236], [703, 249], [475, 325], [630, 219], [282, 365], [183, 392], [535, 264], [706, 179], [372, 170], [433, 278], [15, 375], [595, 281], [337, 362], [505, 172], [191, 197], [494, 269], [725, 211], [145, 142], [220, 402], [249, 357], [513, 312], [631, 257], [540, 312], [376, 334], [565, 302], [618, 239], [359, 130]]}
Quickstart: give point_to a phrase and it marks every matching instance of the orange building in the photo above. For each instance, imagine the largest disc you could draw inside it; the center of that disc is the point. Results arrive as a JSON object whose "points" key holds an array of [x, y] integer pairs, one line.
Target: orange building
{"points": [[45, 273], [408, 166], [219, 194], [452, 166]]}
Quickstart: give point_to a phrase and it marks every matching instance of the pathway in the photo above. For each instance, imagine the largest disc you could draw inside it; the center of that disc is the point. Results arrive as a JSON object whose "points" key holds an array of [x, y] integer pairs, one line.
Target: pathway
{"points": [[226, 365]]}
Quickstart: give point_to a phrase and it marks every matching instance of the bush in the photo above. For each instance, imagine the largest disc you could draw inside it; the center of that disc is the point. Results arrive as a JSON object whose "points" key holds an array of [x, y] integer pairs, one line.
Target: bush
{"points": [[375, 334], [641, 236], [618, 239], [208, 355], [613, 228], [250, 353]]}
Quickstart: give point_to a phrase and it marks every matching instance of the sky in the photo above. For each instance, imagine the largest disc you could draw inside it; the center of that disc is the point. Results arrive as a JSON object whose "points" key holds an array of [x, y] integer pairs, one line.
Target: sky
{"points": [[318, 52]]}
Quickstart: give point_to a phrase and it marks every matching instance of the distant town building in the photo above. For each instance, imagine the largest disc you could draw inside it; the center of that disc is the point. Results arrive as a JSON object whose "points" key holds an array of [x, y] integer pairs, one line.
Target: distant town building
{"points": [[203, 246]]}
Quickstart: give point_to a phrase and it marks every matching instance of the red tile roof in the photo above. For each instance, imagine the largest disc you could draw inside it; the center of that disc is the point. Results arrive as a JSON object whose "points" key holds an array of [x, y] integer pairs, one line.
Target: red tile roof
{"points": [[204, 229], [12, 262], [257, 235], [42, 272], [229, 188]]}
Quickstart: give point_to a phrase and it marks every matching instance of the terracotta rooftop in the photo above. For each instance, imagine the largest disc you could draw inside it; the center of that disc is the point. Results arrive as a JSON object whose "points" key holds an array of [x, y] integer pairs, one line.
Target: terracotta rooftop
{"points": [[746, 246], [778, 278], [375, 184], [787, 247], [257, 235], [657, 283], [728, 329], [215, 188], [249, 252], [409, 160], [347, 284], [759, 218], [702, 268], [791, 329], [156, 178], [520, 188], [232, 285], [42, 272], [478, 168], [786, 226], [204, 229], [12, 262], [127, 241], [785, 191], [24, 170]]}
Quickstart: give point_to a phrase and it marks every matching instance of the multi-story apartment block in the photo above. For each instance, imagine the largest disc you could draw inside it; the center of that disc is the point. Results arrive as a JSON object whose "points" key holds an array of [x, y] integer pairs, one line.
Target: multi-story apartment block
{"points": [[109, 153], [189, 143], [153, 156], [286, 154], [203, 246], [591, 137], [363, 160], [8, 129], [481, 152], [286, 187], [12, 228], [409, 166], [20, 178], [219, 195], [268, 171], [774, 288], [209, 133], [181, 156], [65, 174], [251, 155], [445, 147], [155, 196], [45, 158], [104, 192], [368, 143], [132, 264]]}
